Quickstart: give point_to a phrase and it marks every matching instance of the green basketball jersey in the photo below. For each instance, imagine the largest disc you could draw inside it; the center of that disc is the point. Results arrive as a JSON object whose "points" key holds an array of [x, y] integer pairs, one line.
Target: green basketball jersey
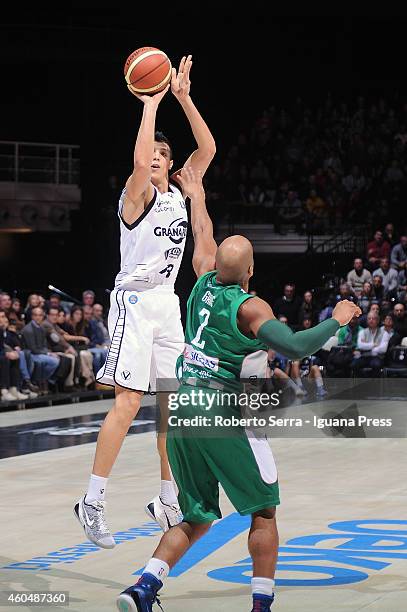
{"points": [[216, 352]]}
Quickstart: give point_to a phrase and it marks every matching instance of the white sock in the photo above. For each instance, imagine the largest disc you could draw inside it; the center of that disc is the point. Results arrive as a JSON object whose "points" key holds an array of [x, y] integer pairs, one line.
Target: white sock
{"points": [[96, 488], [298, 382], [167, 493], [157, 568], [319, 381], [262, 586]]}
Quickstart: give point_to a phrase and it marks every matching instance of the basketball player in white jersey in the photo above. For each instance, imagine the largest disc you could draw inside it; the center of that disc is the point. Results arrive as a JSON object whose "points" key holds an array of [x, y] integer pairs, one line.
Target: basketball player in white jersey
{"points": [[144, 318]]}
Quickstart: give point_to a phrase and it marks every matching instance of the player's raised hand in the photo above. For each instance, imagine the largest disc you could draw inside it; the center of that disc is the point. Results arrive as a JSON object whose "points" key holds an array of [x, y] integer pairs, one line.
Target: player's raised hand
{"points": [[191, 182], [344, 311], [180, 83], [155, 99]]}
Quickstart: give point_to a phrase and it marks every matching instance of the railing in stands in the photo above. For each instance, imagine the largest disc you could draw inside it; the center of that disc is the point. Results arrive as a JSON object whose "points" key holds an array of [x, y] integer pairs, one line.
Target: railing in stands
{"points": [[38, 162], [352, 240]]}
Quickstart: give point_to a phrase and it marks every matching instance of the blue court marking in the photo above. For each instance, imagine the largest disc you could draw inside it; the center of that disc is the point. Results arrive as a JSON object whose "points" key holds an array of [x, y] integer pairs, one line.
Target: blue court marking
{"points": [[220, 534]]}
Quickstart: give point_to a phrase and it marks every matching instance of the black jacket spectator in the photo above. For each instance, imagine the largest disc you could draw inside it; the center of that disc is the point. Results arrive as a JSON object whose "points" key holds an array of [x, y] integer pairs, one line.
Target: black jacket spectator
{"points": [[35, 339], [289, 305]]}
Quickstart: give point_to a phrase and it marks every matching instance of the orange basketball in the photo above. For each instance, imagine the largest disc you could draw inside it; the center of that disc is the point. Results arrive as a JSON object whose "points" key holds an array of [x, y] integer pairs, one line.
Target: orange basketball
{"points": [[147, 70]]}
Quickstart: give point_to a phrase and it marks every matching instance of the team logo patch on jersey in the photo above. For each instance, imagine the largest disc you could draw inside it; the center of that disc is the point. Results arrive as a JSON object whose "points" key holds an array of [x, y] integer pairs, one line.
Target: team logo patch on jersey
{"points": [[164, 206], [173, 253], [176, 231], [191, 355], [133, 299], [208, 298]]}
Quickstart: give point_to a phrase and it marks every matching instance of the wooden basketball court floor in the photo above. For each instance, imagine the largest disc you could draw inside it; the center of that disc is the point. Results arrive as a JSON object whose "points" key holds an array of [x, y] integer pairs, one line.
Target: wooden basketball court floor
{"points": [[342, 522]]}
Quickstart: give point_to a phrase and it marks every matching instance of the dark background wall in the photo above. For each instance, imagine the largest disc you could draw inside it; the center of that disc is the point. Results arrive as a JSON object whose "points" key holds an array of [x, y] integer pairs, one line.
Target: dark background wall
{"points": [[62, 81]]}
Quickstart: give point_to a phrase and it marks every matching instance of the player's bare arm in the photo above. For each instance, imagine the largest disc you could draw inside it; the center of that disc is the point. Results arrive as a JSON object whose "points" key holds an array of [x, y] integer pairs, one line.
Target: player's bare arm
{"points": [[256, 318], [203, 259], [180, 87], [139, 189]]}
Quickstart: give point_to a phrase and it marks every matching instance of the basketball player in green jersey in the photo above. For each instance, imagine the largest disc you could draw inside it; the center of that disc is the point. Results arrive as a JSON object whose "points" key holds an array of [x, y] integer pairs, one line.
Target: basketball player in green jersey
{"points": [[225, 326]]}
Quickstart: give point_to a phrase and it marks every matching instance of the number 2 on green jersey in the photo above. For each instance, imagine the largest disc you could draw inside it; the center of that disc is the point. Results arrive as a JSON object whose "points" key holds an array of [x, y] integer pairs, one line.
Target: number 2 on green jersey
{"points": [[197, 340]]}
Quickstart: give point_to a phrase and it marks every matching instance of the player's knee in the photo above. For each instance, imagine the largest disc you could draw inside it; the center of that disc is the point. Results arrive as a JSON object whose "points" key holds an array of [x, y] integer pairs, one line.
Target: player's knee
{"points": [[127, 405], [198, 530], [265, 513]]}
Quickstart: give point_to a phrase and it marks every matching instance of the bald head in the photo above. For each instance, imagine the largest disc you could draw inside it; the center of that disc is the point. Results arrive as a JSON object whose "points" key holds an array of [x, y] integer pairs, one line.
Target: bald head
{"points": [[234, 261]]}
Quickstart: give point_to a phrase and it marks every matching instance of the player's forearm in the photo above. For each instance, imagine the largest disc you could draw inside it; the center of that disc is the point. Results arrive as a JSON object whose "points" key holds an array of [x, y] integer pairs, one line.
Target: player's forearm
{"points": [[144, 148], [203, 259], [297, 345], [202, 134], [200, 220]]}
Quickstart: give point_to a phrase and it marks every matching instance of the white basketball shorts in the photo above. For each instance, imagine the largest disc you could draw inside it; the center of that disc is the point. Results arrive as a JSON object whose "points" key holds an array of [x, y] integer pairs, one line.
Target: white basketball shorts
{"points": [[146, 339]]}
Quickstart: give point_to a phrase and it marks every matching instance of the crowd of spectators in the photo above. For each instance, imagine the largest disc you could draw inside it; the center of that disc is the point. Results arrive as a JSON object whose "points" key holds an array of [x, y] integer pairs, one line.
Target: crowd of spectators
{"points": [[315, 167], [49, 345], [370, 344]]}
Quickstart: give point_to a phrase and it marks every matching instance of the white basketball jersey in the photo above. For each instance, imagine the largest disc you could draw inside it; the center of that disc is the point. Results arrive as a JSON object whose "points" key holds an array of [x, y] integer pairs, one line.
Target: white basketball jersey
{"points": [[151, 248]]}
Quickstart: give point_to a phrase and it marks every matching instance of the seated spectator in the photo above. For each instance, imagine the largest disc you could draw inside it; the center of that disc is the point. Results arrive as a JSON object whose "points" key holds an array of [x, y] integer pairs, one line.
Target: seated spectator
{"points": [[88, 297], [5, 302], [277, 365], [32, 302], [399, 316], [96, 337], [60, 346], [402, 286], [390, 235], [291, 212], [289, 304], [345, 293], [389, 275], [304, 368], [317, 210], [358, 276], [366, 297], [253, 203], [308, 308], [388, 325], [12, 343], [378, 289], [10, 378], [16, 316], [394, 173], [377, 249], [53, 302], [340, 357], [327, 309], [348, 334], [75, 334], [399, 254], [375, 308], [63, 319], [99, 318], [372, 346], [35, 340], [306, 323], [355, 181]]}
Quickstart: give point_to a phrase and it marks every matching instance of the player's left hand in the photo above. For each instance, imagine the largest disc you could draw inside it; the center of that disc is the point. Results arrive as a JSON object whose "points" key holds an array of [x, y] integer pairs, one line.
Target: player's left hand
{"points": [[180, 83], [191, 182]]}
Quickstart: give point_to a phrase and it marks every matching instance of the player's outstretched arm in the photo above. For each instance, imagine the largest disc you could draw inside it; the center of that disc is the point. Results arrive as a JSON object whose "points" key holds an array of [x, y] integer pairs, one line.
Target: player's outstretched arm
{"points": [[180, 87], [256, 316], [203, 259], [139, 189]]}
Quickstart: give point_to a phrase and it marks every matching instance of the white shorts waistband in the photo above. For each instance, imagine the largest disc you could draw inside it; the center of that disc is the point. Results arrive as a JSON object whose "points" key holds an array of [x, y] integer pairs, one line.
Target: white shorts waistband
{"points": [[142, 286]]}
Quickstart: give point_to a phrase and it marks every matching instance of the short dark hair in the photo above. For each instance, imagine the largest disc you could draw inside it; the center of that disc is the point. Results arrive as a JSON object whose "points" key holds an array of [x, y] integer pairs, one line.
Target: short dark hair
{"points": [[160, 137]]}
